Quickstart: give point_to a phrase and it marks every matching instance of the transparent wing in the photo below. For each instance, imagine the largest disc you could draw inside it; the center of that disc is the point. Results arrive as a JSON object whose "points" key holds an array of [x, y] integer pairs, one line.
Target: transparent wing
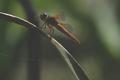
{"points": [[67, 26], [59, 16]]}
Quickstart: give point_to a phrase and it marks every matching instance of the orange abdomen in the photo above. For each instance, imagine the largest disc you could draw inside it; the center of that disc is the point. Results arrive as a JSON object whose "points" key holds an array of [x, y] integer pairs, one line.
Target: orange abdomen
{"points": [[66, 32]]}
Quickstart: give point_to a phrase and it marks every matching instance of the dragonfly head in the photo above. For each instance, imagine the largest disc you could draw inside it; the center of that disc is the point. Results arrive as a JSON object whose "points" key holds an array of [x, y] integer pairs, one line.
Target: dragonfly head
{"points": [[44, 16]]}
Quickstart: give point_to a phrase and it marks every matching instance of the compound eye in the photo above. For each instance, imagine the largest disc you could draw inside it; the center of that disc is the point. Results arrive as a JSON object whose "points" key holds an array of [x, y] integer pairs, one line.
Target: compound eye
{"points": [[45, 14]]}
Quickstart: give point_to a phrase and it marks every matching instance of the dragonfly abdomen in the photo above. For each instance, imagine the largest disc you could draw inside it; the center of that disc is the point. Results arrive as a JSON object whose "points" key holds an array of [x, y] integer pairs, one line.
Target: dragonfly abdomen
{"points": [[66, 32]]}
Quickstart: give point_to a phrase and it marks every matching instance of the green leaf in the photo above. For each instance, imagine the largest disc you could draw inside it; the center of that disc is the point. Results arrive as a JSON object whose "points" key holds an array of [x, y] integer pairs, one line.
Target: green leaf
{"points": [[71, 61]]}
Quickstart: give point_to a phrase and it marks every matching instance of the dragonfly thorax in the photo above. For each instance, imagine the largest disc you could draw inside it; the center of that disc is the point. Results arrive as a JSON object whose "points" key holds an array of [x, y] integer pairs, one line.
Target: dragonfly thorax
{"points": [[43, 16]]}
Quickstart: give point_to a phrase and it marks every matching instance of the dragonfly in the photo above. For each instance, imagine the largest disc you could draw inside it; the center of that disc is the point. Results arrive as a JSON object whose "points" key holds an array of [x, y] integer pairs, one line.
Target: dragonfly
{"points": [[54, 22]]}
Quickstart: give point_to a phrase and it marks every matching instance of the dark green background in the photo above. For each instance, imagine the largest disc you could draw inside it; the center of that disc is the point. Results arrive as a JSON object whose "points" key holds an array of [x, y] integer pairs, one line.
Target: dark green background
{"points": [[95, 22]]}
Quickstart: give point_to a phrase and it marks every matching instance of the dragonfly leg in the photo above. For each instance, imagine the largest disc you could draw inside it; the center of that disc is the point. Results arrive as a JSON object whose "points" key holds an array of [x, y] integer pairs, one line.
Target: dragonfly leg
{"points": [[51, 30], [43, 26]]}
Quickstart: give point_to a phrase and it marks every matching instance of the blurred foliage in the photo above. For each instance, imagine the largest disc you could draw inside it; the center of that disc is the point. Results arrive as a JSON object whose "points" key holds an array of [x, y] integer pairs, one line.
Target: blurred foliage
{"points": [[95, 21]]}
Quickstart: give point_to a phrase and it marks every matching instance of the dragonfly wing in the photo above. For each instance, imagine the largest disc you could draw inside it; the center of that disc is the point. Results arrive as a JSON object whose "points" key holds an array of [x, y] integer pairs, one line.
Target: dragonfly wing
{"points": [[67, 26], [59, 16]]}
